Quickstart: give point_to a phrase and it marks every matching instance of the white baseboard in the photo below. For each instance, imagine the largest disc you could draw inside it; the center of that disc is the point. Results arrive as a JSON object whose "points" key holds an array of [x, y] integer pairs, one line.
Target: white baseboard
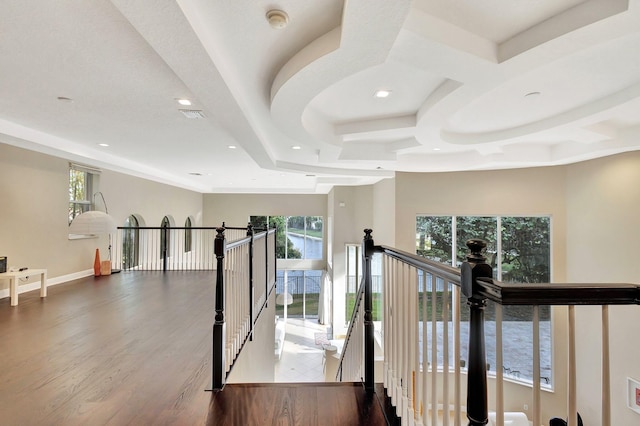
{"points": [[50, 281]]}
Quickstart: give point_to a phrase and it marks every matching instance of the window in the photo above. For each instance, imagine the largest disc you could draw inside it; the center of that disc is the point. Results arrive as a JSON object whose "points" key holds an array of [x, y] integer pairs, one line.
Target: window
{"points": [[130, 243], [187, 235], [165, 238], [354, 280], [297, 237], [519, 250], [82, 186], [306, 289]]}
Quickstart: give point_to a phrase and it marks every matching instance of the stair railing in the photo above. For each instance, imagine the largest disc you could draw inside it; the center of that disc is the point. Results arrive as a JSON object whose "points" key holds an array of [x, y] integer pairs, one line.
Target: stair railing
{"points": [[245, 278], [410, 291]]}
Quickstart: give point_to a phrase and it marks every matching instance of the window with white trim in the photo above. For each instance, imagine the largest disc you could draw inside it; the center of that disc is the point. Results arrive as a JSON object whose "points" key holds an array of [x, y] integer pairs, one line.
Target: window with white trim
{"points": [[519, 250], [83, 183]]}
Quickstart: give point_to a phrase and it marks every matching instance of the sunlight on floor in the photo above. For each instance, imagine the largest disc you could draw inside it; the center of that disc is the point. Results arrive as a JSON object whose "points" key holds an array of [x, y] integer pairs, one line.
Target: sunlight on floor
{"points": [[302, 354]]}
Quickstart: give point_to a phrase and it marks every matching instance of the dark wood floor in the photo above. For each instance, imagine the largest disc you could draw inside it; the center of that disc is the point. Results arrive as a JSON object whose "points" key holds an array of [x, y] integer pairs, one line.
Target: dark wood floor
{"points": [[135, 349], [305, 404], [132, 348]]}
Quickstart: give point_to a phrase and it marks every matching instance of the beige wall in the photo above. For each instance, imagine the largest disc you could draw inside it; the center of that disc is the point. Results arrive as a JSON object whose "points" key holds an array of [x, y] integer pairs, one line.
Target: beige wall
{"points": [[149, 200], [538, 191], [603, 202], [235, 209], [384, 208], [34, 189], [351, 211]]}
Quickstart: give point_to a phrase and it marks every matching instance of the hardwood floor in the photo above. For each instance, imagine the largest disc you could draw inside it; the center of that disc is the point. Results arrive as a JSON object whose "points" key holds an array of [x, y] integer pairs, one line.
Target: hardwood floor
{"points": [[305, 404], [134, 348], [128, 349]]}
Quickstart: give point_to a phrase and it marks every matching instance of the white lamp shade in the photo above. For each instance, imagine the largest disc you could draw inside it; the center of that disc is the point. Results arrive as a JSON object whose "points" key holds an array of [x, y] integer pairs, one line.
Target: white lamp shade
{"points": [[284, 297], [93, 223]]}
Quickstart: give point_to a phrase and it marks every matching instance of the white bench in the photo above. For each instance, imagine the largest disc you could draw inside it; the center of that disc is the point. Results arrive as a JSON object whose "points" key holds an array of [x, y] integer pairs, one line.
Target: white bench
{"points": [[13, 278]]}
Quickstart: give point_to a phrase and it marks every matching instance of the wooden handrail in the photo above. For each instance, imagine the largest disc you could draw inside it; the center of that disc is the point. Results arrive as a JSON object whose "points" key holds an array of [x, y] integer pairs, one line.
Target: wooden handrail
{"points": [[558, 293]]}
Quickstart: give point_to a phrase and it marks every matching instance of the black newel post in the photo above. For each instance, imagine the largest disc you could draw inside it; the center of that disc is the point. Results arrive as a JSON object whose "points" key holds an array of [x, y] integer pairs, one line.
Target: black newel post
{"points": [[367, 252], [476, 267], [219, 326]]}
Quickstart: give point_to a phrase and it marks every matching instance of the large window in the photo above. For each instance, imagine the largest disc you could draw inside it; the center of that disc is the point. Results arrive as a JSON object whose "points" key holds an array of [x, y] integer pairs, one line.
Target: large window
{"points": [[301, 293], [297, 237], [519, 250], [82, 186]]}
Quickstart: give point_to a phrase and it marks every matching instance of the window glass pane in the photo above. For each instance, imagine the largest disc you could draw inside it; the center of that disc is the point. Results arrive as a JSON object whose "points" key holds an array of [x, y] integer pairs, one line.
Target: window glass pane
{"points": [[280, 291], [433, 238], [305, 289], [79, 192], [526, 257], [296, 238], [353, 277], [165, 238], [259, 221], [187, 235], [476, 227], [526, 249], [313, 237], [130, 243]]}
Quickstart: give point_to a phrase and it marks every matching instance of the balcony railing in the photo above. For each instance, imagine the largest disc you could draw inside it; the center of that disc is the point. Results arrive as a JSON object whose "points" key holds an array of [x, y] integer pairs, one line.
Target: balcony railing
{"points": [[167, 248], [245, 277], [431, 393]]}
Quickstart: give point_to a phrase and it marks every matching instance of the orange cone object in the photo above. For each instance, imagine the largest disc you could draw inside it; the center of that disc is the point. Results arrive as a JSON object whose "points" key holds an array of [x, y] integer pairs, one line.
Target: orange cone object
{"points": [[96, 264]]}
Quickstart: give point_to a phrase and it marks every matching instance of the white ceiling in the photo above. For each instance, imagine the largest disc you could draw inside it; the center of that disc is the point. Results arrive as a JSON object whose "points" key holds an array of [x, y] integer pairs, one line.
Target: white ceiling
{"points": [[475, 85]]}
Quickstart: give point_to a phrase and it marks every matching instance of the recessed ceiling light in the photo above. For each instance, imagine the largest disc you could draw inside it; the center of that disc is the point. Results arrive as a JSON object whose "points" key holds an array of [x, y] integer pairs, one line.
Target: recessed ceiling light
{"points": [[436, 149], [103, 144], [185, 102], [382, 93], [231, 146], [296, 147]]}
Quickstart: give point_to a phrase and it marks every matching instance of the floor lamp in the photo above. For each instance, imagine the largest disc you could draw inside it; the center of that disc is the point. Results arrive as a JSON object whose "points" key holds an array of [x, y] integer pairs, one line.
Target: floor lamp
{"points": [[93, 223]]}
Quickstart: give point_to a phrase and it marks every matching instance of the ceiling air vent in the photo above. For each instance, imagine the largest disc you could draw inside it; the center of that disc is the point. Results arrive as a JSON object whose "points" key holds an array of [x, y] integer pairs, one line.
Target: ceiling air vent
{"points": [[192, 113]]}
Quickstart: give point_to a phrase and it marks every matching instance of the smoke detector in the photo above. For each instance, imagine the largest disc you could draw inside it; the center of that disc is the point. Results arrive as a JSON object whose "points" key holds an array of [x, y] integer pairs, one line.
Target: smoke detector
{"points": [[277, 19]]}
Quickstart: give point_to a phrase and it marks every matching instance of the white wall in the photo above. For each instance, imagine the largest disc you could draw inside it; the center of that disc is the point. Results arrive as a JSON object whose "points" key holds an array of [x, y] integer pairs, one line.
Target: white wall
{"points": [[603, 204], [256, 362]]}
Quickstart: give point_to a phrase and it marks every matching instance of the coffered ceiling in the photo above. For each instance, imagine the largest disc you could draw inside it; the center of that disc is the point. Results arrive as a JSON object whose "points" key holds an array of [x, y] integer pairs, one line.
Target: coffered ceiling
{"points": [[471, 85]]}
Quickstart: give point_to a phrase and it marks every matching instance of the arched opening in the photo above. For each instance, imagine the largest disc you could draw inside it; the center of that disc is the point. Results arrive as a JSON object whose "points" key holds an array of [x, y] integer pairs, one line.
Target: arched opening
{"points": [[131, 243], [188, 238]]}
